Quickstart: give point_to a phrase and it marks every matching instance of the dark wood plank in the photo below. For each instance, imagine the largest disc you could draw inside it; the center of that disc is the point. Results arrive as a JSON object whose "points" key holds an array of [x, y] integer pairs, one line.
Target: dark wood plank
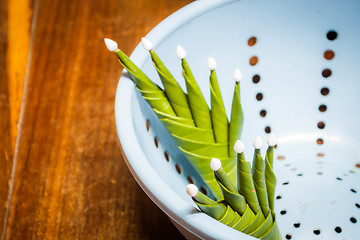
{"points": [[5, 140], [70, 179]]}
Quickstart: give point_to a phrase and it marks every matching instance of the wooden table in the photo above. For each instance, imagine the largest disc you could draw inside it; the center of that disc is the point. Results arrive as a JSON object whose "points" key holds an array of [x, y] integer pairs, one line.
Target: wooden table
{"points": [[62, 174]]}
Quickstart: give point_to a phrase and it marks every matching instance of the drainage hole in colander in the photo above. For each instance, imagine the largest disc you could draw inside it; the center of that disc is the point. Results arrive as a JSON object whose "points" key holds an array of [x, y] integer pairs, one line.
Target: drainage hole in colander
{"points": [[297, 224], [259, 96], [147, 125], [324, 91], [353, 190], [256, 78], [278, 197], [316, 231], [320, 162], [321, 125], [329, 54], [320, 154], [357, 165], [300, 174], [156, 142], [190, 180], [326, 73], [288, 236], [293, 169], [253, 60], [338, 229], [319, 173], [178, 168], [281, 157], [263, 113], [357, 205], [167, 156], [353, 220], [283, 212], [351, 171], [339, 179], [320, 141], [267, 129], [331, 35], [285, 183], [322, 108], [203, 190], [252, 41]]}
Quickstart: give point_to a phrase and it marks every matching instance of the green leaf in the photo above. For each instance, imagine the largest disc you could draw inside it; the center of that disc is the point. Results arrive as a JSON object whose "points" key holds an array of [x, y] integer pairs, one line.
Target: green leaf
{"points": [[245, 183], [270, 178], [258, 168], [218, 113], [233, 198], [236, 120], [145, 85], [199, 108], [175, 94]]}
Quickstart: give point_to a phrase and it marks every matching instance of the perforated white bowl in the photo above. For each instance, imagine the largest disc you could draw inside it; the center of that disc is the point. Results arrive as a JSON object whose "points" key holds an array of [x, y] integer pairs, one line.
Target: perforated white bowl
{"points": [[310, 102]]}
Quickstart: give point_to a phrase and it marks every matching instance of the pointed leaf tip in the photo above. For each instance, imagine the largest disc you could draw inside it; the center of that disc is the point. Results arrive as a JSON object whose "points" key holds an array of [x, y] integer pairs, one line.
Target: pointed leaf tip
{"points": [[147, 44], [192, 190], [258, 142], [239, 146], [211, 63], [111, 45], [272, 141], [215, 164], [237, 75], [180, 52]]}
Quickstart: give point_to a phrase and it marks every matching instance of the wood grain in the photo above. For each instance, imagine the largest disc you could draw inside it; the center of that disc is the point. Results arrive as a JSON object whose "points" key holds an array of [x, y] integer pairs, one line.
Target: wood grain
{"points": [[5, 139], [70, 180], [18, 35]]}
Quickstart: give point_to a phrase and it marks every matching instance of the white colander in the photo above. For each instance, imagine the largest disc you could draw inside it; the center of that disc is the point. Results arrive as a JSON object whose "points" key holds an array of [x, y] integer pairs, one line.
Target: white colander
{"points": [[304, 87]]}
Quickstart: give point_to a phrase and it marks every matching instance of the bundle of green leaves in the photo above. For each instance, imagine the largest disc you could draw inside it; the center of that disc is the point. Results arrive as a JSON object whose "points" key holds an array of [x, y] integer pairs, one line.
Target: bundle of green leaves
{"points": [[199, 132], [249, 206], [245, 194]]}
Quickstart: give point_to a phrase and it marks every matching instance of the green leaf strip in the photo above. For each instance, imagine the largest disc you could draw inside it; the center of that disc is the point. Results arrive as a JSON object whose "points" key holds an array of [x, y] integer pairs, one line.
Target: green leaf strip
{"points": [[175, 94], [270, 179], [258, 168], [231, 196], [255, 224], [236, 120], [199, 108], [218, 113], [245, 183], [273, 233], [246, 219], [145, 84]]}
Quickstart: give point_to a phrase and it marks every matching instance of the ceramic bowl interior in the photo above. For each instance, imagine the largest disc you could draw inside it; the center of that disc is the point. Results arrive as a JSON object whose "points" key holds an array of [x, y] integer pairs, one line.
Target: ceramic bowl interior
{"points": [[300, 63]]}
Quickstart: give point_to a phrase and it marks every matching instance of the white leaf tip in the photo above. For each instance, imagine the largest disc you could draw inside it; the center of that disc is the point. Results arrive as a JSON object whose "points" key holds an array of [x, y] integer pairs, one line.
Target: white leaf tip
{"points": [[211, 63], [192, 190], [239, 146], [272, 141], [215, 164], [180, 52], [111, 45], [147, 44], [258, 142], [237, 75]]}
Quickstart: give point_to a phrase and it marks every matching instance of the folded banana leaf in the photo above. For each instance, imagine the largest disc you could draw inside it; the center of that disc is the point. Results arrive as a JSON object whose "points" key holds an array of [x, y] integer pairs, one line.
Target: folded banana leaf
{"points": [[270, 178], [189, 120], [177, 97], [199, 108], [218, 114], [258, 168]]}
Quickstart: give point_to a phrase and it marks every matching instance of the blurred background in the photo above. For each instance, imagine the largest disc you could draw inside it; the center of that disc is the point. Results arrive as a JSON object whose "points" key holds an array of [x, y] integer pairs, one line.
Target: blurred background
{"points": [[62, 175]]}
